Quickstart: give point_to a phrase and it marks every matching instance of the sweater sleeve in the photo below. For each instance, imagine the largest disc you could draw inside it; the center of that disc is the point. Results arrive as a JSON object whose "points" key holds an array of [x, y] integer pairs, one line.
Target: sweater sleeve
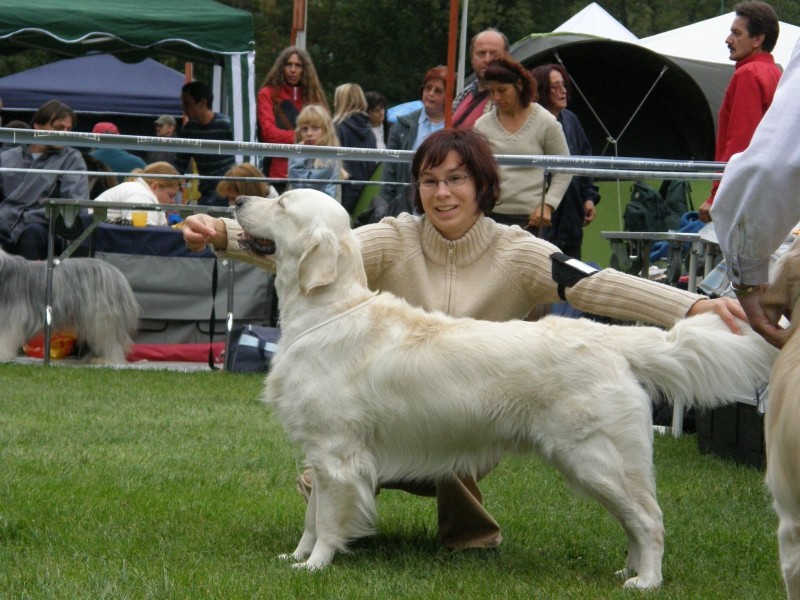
{"points": [[235, 251], [631, 298], [269, 130], [379, 242], [74, 185], [608, 292], [555, 143]]}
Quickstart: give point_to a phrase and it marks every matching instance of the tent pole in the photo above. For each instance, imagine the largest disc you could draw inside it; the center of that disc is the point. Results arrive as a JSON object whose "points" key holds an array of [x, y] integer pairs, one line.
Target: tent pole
{"points": [[451, 63], [462, 48]]}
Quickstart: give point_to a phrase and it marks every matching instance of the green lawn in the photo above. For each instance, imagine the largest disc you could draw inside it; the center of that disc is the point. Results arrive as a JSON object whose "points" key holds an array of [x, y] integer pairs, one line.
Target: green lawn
{"points": [[154, 484], [614, 199]]}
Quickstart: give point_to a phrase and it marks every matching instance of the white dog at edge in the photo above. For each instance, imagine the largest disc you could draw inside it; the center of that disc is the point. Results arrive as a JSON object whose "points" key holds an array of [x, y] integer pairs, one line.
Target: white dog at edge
{"points": [[376, 390]]}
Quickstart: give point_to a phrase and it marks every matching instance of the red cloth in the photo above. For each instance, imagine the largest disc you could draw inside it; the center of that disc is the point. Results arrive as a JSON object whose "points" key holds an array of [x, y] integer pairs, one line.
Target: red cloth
{"points": [[747, 98], [176, 352]]}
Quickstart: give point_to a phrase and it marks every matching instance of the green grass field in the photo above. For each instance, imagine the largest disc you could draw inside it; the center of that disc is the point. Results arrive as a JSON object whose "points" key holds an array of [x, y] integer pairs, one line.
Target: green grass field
{"points": [[154, 484], [614, 199]]}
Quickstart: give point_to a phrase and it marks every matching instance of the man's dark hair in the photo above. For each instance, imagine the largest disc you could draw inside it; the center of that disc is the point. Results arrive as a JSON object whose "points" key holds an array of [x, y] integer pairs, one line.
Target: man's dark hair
{"points": [[199, 91], [761, 19]]}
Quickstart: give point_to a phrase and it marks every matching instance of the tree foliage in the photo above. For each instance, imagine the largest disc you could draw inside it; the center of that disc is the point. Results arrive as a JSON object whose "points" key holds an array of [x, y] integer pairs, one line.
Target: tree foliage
{"points": [[387, 45]]}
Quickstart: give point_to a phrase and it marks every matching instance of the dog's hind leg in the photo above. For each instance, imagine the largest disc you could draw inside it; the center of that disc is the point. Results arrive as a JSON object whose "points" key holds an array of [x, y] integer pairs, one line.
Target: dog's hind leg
{"points": [[619, 476], [789, 546], [107, 342]]}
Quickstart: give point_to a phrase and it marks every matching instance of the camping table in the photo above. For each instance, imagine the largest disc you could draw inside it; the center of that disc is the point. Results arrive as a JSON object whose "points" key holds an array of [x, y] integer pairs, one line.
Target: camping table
{"points": [[628, 246], [69, 210]]}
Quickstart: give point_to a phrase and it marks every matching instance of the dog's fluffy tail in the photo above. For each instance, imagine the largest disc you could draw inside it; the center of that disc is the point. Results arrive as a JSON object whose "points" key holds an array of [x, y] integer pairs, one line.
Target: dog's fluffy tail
{"points": [[701, 362]]}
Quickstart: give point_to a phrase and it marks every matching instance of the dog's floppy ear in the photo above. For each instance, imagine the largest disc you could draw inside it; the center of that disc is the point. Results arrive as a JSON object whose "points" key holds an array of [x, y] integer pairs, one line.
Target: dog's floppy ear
{"points": [[318, 263]]}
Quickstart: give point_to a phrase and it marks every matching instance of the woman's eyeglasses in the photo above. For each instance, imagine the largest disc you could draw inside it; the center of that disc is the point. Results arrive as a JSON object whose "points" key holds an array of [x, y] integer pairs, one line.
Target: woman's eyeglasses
{"points": [[430, 183]]}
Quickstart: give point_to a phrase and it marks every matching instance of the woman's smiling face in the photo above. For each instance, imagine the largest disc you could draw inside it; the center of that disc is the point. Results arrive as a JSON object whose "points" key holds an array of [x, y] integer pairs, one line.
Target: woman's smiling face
{"points": [[451, 209]]}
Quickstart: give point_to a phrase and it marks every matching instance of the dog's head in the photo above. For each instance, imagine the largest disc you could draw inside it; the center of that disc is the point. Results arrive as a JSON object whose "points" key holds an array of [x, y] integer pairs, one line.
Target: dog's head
{"points": [[303, 226], [783, 293]]}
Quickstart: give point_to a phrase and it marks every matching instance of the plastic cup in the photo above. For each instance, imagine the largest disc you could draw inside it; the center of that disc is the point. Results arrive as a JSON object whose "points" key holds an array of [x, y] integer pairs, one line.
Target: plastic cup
{"points": [[139, 218]]}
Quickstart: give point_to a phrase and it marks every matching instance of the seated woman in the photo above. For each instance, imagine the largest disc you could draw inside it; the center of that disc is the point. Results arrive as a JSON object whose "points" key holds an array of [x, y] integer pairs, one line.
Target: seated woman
{"points": [[455, 259], [251, 182], [143, 189]]}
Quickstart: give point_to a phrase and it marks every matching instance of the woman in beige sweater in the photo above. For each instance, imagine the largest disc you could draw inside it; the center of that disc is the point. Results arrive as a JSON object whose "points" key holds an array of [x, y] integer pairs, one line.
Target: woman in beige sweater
{"points": [[519, 125], [454, 259]]}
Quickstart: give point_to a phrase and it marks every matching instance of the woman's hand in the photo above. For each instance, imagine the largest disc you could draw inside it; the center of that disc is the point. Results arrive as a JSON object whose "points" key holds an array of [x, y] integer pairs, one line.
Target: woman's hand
{"points": [[589, 212], [541, 216], [200, 230], [729, 310]]}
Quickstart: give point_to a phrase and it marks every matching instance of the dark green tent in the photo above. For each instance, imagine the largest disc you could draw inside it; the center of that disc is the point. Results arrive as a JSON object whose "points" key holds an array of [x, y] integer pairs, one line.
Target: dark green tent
{"points": [[196, 30]]}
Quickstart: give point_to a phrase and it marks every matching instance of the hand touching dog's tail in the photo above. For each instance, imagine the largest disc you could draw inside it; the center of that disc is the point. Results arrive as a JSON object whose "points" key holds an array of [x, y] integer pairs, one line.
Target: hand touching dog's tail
{"points": [[701, 362]]}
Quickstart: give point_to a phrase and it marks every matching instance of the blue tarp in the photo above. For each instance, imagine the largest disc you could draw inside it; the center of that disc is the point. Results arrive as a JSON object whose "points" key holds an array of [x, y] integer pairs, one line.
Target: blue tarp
{"points": [[97, 84]]}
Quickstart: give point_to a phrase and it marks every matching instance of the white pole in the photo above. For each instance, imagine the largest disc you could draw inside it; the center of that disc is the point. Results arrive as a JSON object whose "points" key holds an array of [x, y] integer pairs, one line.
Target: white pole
{"points": [[462, 48]]}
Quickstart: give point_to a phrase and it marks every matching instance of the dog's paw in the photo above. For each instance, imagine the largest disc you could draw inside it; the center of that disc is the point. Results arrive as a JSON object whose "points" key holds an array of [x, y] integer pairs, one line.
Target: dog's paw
{"points": [[309, 566], [641, 583], [287, 557], [624, 573]]}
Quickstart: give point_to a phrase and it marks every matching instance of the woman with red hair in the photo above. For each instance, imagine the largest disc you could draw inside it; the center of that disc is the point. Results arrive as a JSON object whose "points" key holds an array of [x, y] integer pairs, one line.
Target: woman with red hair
{"points": [[408, 133]]}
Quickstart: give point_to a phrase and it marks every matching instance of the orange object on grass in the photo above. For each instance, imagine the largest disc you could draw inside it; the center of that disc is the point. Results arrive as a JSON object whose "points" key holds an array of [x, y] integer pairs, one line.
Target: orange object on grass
{"points": [[61, 345]]}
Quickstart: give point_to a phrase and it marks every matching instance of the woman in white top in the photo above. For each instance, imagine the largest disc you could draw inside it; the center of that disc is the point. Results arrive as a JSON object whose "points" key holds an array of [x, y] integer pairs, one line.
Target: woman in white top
{"points": [[144, 189]]}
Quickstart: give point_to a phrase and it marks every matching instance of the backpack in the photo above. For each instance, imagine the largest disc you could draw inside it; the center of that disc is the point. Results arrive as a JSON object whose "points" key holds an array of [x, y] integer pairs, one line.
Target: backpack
{"points": [[657, 211], [677, 193]]}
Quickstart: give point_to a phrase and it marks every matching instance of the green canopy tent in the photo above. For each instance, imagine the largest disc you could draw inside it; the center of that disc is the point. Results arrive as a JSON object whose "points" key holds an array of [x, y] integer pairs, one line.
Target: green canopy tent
{"points": [[201, 31]]}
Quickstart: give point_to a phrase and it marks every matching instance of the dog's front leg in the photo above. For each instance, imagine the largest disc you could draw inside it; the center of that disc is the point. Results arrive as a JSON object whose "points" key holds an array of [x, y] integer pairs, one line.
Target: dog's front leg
{"points": [[309, 537], [316, 541]]}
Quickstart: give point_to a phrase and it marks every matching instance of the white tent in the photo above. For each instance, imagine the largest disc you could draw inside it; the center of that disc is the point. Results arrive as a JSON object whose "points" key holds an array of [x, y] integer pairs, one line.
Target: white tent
{"points": [[594, 20], [705, 41]]}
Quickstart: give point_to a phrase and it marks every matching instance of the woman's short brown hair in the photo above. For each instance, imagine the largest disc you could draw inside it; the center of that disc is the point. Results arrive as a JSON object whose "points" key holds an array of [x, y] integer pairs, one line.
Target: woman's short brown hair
{"points": [[476, 157]]}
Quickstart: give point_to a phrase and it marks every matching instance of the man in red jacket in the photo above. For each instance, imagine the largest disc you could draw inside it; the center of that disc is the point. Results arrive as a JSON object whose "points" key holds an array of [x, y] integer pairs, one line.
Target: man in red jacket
{"points": [[754, 33]]}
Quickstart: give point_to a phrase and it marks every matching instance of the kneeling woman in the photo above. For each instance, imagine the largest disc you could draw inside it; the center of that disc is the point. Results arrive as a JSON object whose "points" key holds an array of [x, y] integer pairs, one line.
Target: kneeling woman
{"points": [[455, 259]]}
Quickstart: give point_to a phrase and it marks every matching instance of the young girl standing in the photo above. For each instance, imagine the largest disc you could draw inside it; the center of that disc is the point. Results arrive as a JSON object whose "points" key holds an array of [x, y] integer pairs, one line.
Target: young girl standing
{"points": [[315, 128]]}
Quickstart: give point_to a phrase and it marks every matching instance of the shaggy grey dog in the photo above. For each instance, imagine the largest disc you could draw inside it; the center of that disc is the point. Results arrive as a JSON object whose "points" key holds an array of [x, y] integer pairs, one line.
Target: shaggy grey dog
{"points": [[90, 297]]}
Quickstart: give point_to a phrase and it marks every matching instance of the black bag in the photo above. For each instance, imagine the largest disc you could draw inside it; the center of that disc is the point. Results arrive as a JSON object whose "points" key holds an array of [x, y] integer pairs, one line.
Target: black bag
{"points": [[251, 348], [646, 210], [657, 211], [677, 194]]}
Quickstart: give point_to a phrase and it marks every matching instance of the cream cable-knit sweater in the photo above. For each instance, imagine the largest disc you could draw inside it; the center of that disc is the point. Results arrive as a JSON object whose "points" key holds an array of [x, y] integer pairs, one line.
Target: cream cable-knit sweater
{"points": [[494, 273]]}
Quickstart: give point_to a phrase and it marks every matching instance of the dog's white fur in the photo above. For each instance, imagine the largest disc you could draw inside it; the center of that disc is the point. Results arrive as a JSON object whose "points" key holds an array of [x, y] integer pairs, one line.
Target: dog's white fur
{"points": [[376, 390], [90, 296], [782, 426]]}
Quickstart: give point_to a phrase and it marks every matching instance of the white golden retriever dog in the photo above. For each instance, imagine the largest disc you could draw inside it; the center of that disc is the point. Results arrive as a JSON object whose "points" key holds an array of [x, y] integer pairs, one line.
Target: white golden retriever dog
{"points": [[783, 423], [376, 390]]}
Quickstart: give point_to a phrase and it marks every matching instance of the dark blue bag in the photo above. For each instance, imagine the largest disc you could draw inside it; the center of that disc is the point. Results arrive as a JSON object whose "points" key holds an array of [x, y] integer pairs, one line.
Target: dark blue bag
{"points": [[251, 348]]}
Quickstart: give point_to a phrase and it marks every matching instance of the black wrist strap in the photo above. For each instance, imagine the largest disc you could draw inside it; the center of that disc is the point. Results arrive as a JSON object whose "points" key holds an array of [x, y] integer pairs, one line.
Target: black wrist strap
{"points": [[568, 271]]}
